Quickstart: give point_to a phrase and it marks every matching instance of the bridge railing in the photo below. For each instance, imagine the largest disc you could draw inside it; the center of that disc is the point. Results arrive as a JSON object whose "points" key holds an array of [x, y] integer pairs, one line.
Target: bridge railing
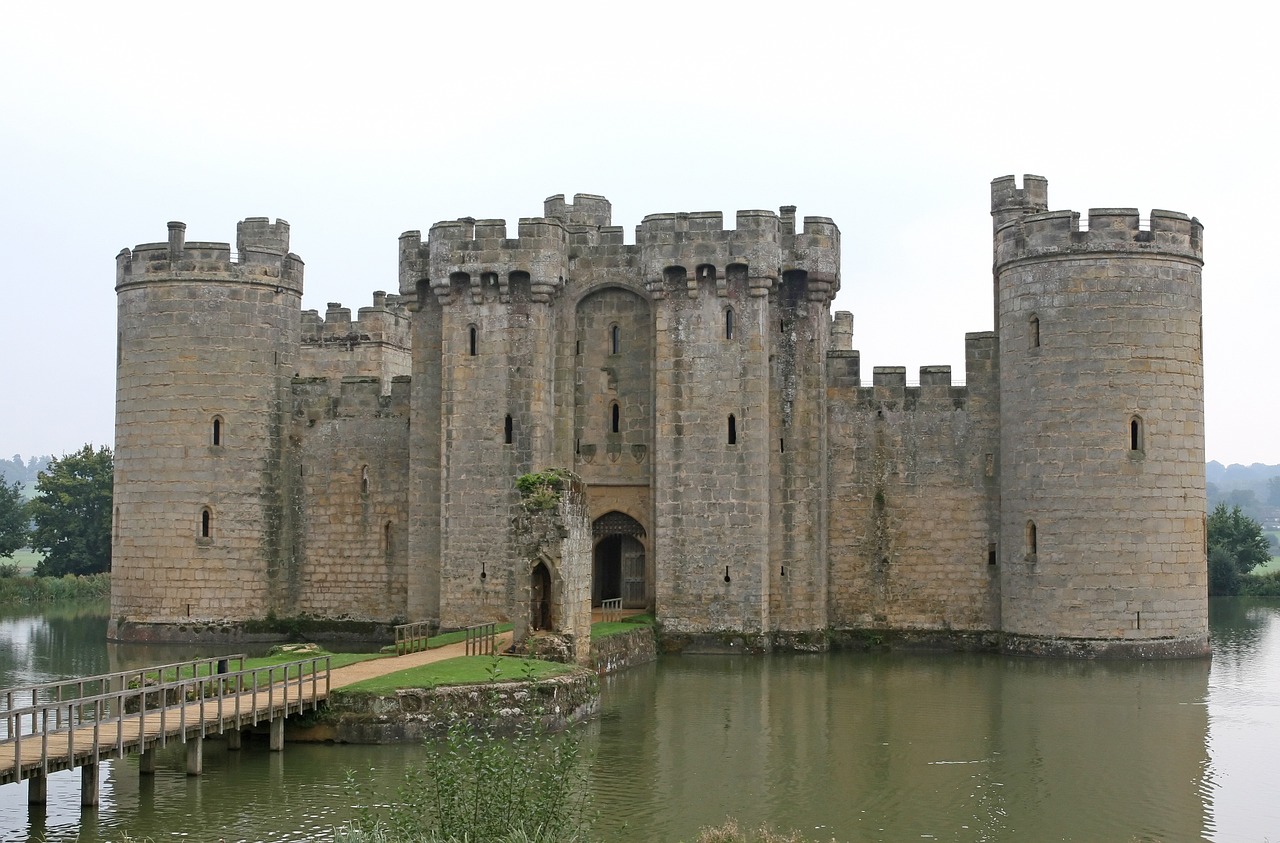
{"points": [[611, 609], [102, 685], [482, 639], [412, 637], [163, 708]]}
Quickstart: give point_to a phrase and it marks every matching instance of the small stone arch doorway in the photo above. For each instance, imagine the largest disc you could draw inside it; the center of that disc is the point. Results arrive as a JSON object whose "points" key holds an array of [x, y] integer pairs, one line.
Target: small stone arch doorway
{"points": [[540, 598], [618, 567]]}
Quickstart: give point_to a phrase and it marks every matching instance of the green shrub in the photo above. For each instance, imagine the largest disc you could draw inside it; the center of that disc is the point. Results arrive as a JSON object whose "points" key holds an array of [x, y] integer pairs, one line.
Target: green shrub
{"points": [[31, 591], [1261, 585], [477, 785]]}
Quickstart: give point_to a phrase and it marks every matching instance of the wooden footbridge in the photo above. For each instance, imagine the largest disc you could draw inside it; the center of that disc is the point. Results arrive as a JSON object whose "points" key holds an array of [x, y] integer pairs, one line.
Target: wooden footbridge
{"points": [[79, 722]]}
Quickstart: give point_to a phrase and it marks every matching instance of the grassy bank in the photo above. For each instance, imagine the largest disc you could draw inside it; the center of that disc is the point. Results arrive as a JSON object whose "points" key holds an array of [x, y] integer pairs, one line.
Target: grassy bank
{"points": [[34, 591], [603, 629], [463, 670]]}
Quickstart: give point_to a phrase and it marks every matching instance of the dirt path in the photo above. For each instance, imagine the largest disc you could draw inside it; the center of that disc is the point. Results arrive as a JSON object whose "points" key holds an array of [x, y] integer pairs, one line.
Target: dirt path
{"points": [[358, 672]]}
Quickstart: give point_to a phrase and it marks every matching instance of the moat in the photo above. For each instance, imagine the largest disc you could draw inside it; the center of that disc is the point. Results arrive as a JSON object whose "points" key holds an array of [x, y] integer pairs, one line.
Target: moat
{"points": [[859, 747]]}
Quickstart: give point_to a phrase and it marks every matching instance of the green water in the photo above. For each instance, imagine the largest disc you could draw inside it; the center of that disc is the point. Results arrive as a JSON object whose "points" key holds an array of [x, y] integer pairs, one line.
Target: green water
{"points": [[856, 747]]}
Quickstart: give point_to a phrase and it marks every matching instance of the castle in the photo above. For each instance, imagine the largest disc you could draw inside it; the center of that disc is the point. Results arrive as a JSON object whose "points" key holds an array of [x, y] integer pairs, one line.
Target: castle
{"points": [[740, 477]]}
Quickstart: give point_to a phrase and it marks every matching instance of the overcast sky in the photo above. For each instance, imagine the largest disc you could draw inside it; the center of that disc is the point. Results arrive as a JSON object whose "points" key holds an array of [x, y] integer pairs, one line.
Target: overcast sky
{"points": [[354, 127]]}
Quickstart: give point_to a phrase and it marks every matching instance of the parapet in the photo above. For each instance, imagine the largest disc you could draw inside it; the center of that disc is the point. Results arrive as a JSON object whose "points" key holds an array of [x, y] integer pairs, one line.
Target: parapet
{"points": [[387, 321], [1008, 201], [476, 257], [587, 209], [262, 257], [1059, 233]]}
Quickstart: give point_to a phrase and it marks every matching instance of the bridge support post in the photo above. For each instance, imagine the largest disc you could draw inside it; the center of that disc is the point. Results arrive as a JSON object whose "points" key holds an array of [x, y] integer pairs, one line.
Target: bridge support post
{"points": [[277, 734], [37, 789], [89, 786], [233, 739], [147, 762], [195, 755]]}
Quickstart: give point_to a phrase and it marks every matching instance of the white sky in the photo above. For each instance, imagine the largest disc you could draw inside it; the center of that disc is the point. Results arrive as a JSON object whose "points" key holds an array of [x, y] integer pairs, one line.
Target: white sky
{"points": [[115, 118]]}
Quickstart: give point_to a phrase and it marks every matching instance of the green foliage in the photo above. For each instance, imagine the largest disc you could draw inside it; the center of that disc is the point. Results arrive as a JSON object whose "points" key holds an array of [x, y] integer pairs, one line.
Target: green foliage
{"points": [[1273, 491], [477, 785], [72, 513], [14, 521], [1236, 547], [604, 629], [34, 591], [540, 490], [1261, 585]]}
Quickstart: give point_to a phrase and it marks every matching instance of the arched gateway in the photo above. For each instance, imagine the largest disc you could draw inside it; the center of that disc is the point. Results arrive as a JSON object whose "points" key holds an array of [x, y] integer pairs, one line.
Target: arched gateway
{"points": [[618, 563]]}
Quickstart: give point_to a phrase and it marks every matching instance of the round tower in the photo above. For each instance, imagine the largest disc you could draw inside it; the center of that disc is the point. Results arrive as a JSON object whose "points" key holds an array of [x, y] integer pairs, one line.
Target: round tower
{"points": [[205, 353], [1102, 428]]}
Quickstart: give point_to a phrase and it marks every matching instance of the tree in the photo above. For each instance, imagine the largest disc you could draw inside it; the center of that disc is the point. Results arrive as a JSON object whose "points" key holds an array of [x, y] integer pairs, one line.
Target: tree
{"points": [[14, 523], [1273, 491], [72, 513], [1236, 547]]}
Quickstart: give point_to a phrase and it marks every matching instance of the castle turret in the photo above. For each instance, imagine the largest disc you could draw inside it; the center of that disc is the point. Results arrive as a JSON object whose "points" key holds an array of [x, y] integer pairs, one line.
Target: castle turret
{"points": [[1102, 428], [206, 349]]}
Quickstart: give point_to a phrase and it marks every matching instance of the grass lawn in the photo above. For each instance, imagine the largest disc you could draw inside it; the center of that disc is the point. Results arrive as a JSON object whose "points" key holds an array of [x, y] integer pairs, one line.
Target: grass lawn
{"points": [[603, 629], [26, 559], [458, 635], [463, 670]]}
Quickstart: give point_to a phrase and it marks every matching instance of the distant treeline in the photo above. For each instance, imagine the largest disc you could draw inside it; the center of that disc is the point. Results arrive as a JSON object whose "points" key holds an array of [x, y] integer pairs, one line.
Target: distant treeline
{"points": [[1254, 488], [17, 470]]}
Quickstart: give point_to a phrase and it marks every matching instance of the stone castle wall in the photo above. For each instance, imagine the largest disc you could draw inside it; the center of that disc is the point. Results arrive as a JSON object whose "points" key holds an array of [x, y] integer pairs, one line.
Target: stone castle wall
{"points": [[699, 385]]}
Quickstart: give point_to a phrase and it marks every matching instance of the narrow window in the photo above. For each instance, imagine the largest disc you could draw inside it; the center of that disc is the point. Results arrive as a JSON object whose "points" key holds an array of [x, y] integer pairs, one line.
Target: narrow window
{"points": [[1135, 434], [991, 553], [728, 323], [615, 414], [782, 446], [364, 480], [472, 341], [615, 339], [388, 548], [733, 430], [1033, 331], [217, 431], [205, 518], [506, 431], [1031, 538]]}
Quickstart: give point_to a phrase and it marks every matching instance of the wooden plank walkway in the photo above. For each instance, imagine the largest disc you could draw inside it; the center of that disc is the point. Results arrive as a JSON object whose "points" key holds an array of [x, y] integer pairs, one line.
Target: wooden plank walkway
{"points": [[146, 709]]}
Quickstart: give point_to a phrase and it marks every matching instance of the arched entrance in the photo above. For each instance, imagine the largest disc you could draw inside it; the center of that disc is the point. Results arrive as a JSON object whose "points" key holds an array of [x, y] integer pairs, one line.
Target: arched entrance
{"points": [[540, 598], [618, 564]]}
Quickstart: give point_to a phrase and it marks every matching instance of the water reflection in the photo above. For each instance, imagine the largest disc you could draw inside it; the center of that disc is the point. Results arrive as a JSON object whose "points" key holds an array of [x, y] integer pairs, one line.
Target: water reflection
{"points": [[908, 746], [853, 746]]}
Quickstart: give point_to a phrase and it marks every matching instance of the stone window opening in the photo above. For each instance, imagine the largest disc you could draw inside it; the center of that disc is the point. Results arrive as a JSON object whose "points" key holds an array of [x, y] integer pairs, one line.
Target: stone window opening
{"points": [[506, 430], [364, 481], [1032, 541], [1136, 435], [615, 339], [728, 323], [782, 446], [216, 438], [388, 546], [733, 430], [1033, 332], [473, 340], [206, 523], [615, 419], [992, 556]]}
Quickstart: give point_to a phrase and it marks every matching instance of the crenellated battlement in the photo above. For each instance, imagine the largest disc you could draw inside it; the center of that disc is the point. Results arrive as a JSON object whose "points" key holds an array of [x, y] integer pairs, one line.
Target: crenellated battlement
{"points": [[469, 257], [1008, 201], [1061, 233], [262, 256], [386, 321]]}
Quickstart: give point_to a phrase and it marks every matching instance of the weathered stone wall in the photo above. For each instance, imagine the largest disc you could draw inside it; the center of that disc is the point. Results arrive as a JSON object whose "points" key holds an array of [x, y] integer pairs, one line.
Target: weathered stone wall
{"points": [[376, 345], [351, 498], [913, 497], [204, 342], [615, 653], [1102, 422], [711, 471]]}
